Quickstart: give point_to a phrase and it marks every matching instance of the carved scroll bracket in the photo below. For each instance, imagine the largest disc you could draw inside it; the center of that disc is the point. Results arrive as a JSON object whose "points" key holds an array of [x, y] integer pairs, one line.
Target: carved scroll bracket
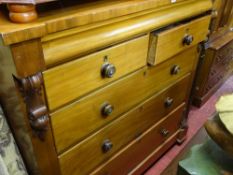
{"points": [[31, 89]]}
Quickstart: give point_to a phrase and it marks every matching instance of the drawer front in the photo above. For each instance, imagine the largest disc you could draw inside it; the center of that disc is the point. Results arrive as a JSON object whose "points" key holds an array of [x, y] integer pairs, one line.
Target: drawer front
{"points": [[129, 157], [105, 142], [74, 122], [168, 43], [74, 79]]}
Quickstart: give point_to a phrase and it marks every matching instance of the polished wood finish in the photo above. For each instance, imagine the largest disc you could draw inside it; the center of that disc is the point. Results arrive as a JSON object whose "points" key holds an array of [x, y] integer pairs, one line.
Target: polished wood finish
{"points": [[214, 69], [132, 90], [226, 15], [222, 20], [155, 155], [142, 146], [230, 22], [98, 11], [167, 43], [79, 43], [28, 57], [65, 44], [121, 131], [216, 58], [105, 9], [25, 57], [221, 42], [38, 154], [83, 75], [30, 89], [11, 105], [22, 13], [12, 33], [218, 9]]}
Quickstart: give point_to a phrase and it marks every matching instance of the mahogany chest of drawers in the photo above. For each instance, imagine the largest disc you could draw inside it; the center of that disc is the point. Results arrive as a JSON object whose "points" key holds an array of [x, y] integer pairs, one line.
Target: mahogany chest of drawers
{"points": [[98, 91]]}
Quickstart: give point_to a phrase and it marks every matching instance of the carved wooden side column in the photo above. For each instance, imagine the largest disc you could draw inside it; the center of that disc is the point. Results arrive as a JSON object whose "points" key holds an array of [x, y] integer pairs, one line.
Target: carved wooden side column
{"points": [[31, 90], [29, 65], [22, 13]]}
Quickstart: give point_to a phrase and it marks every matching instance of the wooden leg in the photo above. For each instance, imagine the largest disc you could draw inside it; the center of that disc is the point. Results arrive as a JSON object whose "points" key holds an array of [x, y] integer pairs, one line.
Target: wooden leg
{"points": [[22, 13]]}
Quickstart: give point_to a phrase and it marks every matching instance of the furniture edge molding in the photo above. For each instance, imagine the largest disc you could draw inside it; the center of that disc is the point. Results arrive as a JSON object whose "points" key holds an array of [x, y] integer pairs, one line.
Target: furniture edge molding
{"points": [[24, 32]]}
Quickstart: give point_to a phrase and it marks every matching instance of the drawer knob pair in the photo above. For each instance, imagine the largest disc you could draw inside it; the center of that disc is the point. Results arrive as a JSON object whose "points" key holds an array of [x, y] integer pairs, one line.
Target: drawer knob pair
{"points": [[164, 132], [108, 70], [107, 109], [107, 146], [188, 39], [175, 69]]}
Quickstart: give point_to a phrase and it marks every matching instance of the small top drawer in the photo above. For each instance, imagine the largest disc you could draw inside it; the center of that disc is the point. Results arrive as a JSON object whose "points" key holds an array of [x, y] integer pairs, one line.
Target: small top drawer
{"points": [[74, 79], [167, 43]]}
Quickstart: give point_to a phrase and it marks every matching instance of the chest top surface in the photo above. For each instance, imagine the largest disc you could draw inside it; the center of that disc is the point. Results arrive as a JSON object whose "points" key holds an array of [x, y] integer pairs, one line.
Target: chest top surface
{"points": [[59, 18]]}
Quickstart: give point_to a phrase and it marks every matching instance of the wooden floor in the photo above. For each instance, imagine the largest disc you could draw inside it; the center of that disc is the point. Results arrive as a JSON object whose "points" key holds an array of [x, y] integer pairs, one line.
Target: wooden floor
{"points": [[167, 165]]}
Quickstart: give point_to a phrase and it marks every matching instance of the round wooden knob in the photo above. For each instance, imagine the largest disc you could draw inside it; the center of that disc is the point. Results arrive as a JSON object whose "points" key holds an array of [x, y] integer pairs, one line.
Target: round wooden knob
{"points": [[107, 110], [107, 146], [188, 39], [168, 102], [164, 132], [108, 70], [22, 13], [175, 69]]}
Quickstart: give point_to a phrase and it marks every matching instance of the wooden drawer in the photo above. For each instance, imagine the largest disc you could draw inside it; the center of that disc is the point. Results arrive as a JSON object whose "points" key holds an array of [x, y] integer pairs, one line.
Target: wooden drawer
{"points": [[167, 43], [74, 122], [74, 79], [97, 147], [130, 156]]}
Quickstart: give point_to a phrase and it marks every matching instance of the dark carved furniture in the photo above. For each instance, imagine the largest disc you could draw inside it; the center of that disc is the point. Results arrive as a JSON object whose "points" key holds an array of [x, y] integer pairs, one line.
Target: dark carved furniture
{"points": [[215, 64]]}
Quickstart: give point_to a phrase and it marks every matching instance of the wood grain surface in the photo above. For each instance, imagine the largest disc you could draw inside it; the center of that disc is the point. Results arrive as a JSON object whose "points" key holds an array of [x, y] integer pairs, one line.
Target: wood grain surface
{"points": [[83, 75], [54, 21], [130, 156], [103, 36], [38, 155], [167, 43], [120, 132], [122, 94]]}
